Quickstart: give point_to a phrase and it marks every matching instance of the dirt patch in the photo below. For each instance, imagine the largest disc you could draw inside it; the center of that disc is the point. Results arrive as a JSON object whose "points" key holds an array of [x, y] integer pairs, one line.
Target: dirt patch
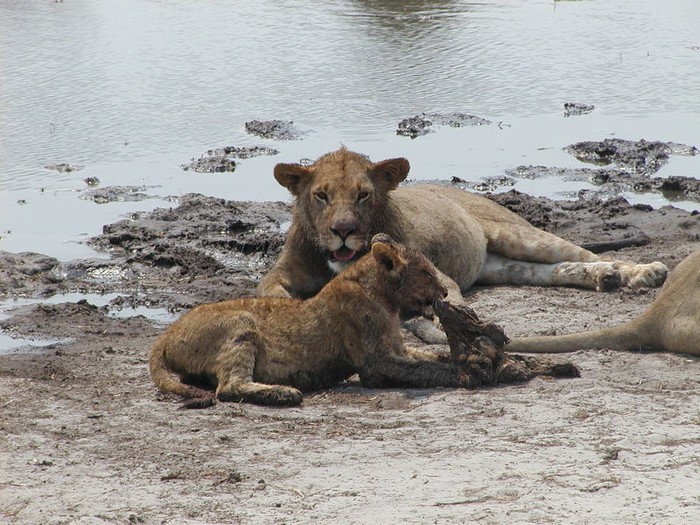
{"points": [[87, 439]]}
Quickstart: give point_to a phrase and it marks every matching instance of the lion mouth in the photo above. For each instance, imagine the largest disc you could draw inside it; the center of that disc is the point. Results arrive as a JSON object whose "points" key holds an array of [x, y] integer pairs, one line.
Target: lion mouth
{"points": [[343, 254]]}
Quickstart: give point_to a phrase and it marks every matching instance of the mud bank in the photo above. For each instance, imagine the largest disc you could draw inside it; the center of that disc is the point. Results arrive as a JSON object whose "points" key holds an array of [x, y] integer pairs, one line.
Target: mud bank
{"points": [[87, 439]]}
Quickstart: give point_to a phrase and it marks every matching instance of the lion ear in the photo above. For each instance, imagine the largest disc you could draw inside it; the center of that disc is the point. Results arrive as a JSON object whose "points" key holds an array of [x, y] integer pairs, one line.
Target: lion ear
{"points": [[292, 176], [388, 256], [389, 173]]}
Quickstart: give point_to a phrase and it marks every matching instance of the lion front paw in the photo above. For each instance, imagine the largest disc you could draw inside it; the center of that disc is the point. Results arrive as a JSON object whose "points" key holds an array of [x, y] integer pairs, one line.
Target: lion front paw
{"points": [[649, 275]]}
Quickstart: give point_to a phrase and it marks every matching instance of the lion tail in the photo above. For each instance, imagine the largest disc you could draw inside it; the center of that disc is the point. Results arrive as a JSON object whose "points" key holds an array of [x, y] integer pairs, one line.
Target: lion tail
{"points": [[618, 338]]}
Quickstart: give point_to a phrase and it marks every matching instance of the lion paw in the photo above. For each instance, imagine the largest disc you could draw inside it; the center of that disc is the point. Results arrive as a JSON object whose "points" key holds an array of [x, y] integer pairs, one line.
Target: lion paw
{"points": [[607, 277], [286, 396], [649, 275], [426, 330]]}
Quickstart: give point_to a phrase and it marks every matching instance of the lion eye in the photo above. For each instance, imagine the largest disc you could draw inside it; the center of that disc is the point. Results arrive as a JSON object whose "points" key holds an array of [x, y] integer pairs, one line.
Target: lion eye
{"points": [[363, 196], [321, 196]]}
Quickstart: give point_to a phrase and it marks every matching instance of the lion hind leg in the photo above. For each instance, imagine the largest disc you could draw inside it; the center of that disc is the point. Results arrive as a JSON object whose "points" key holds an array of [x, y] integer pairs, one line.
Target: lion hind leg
{"points": [[535, 245], [599, 275], [235, 365]]}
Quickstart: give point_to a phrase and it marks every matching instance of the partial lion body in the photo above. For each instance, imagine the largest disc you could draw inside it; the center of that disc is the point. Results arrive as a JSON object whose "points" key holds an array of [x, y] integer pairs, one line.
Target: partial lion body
{"points": [[343, 199], [671, 323], [466, 233], [267, 350]]}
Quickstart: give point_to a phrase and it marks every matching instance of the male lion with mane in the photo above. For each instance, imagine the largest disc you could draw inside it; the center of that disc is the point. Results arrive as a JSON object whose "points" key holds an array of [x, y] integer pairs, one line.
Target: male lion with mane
{"points": [[268, 350], [343, 198]]}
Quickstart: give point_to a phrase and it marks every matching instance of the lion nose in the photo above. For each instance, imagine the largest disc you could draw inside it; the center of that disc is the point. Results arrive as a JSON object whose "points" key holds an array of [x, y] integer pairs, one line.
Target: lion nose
{"points": [[343, 230]]}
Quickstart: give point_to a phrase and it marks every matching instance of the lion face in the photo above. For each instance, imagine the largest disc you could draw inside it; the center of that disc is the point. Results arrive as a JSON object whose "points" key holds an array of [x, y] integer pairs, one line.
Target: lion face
{"points": [[339, 199], [412, 280], [419, 287]]}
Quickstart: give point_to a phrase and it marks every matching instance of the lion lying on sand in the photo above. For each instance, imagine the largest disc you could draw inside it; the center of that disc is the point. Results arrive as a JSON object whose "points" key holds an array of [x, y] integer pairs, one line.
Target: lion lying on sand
{"points": [[268, 350], [342, 199], [671, 323]]}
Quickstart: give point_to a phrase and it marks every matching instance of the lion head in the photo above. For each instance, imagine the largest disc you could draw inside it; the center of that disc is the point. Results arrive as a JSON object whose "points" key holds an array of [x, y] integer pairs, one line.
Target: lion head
{"points": [[410, 279], [341, 200]]}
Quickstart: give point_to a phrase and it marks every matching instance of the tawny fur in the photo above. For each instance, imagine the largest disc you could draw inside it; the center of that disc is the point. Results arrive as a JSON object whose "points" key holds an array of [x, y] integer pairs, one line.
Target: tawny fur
{"points": [[343, 198], [671, 323], [267, 350]]}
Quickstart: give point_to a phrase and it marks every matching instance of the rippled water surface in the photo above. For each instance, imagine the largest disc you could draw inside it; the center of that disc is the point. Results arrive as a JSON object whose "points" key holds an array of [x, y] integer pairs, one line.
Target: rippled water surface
{"points": [[131, 89]]}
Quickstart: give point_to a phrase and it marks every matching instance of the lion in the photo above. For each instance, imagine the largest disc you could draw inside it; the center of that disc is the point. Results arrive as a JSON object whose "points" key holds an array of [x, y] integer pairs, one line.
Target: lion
{"points": [[269, 350], [671, 323], [343, 199]]}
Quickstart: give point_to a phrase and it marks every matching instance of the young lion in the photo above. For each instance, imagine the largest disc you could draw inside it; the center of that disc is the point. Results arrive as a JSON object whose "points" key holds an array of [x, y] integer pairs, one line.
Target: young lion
{"points": [[671, 323], [342, 199], [267, 350]]}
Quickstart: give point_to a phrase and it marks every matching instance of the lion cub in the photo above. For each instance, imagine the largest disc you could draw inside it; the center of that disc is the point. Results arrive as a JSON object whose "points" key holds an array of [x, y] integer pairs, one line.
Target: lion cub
{"points": [[268, 350]]}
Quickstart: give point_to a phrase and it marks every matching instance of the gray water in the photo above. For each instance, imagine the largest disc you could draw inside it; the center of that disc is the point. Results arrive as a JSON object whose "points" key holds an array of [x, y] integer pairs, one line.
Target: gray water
{"points": [[131, 89]]}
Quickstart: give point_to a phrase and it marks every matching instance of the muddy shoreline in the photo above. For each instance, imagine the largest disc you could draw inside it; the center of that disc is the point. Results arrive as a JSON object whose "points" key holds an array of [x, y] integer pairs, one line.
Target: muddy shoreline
{"points": [[87, 439]]}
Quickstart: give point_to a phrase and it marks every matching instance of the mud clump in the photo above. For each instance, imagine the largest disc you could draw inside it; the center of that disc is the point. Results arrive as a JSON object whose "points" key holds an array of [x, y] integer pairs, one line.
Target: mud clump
{"points": [[422, 124], [575, 109], [222, 160], [632, 156], [274, 129], [487, 184], [24, 270], [64, 167], [202, 250], [206, 223], [116, 194], [414, 127], [537, 211]]}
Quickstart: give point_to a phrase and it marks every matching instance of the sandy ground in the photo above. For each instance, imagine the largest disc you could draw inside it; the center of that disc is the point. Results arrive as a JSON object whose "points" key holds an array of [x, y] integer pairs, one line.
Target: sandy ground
{"points": [[85, 438]]}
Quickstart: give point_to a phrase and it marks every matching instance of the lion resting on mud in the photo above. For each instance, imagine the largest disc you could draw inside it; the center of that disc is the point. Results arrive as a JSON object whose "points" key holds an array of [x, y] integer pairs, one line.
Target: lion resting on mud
{"points": [[671, 323], [267, 350], [343, 199]]}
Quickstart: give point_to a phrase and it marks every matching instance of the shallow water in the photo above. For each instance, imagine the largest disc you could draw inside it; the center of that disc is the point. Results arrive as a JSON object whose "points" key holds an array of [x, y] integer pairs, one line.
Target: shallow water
{"points": [[131, 89]]}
